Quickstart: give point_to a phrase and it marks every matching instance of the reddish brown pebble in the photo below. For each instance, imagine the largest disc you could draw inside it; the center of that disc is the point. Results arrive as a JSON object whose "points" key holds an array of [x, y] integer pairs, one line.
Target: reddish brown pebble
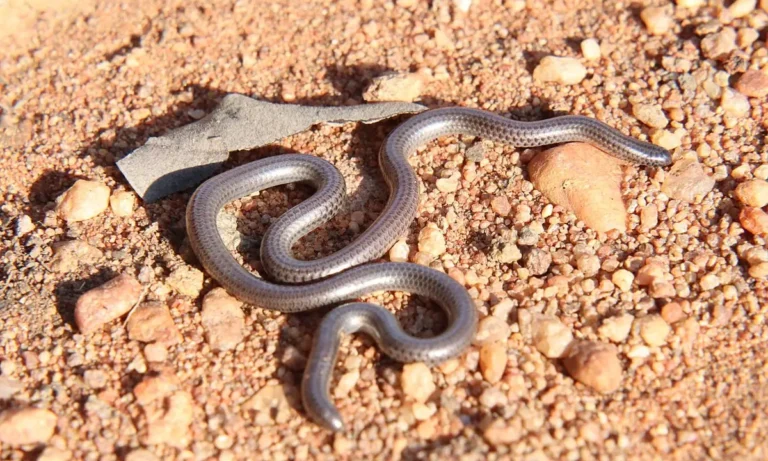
{"points": [[395, 87], [594, 364], [68, 255], [672, 312], [500, 205], [223, 320], [106, 303], [753, 193], [152, 322], [686, 180], [493, 361], [753, 83], [25, 426], [585, 180], [83, 201], [417, 382], [754, 220]]}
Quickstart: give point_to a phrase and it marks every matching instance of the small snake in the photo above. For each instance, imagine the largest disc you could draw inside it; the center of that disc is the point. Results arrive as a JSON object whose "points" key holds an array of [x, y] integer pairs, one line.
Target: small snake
{"points": [[340, 276]]}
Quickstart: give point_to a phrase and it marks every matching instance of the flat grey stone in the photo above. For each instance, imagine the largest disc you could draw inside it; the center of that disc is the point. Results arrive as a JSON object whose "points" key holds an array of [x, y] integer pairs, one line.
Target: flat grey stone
{"points": [[188, 155]]}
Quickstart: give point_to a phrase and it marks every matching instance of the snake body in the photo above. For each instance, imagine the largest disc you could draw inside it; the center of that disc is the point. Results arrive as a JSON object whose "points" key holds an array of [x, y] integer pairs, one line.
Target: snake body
{"points": [[342, 276]]}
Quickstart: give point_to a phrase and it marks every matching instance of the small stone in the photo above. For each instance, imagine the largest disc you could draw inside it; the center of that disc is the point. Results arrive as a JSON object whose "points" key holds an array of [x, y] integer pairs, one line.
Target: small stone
{"points": [[595, 365], [491, 329], [550, 336], [505, 251], [293, 359], [462, 5], [223, 320], [24, 225], [617, 328], [653, 329], [753, 83], [399, 252], [752, 193], [492, 398], [141, 454], [423, 411], [649, 273], [346, 383], [54, 454], [431, 241], [68, 255], [450, 184], [623, 278], [672, 313], [686, 180], [528, 237], [9, 387], [650, 114], [186, 280], [649, 217], [152, 322], [416, 381], [502, 309], [443, 41], [720, 44], [493, 361], [25, 426], [764, 5], [741, 8], [475, 153], [658, 20], [342, 445], [709, 282], [155, 387], [734, 103], [589, 265], [271, 405], [395, 87], [155, 353], [747, 36], [172, 426], [500, 205], [666, 139], [590, 49], [84, 200], [196, 114], [759, 271], [538, 261], [565, 71], [500, 433], [754, 220], [690, 3], [661, 289], [426, 429], [122, 203], [106, 303], [95, 379]]}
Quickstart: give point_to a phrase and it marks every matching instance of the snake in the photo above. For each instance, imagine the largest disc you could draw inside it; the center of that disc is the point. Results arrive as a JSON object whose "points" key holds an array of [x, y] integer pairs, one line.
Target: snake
{"points": [[291, 285]]}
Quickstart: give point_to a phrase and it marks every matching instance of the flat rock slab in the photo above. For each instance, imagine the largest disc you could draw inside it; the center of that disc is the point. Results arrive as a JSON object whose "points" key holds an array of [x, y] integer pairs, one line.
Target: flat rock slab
{"points": [[188, 155]]}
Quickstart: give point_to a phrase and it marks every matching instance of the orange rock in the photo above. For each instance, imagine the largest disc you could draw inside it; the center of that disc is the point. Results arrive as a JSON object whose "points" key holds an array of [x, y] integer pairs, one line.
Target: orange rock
{"points": [[106, 303], [585, 180], [754, 220], [594, 364]]}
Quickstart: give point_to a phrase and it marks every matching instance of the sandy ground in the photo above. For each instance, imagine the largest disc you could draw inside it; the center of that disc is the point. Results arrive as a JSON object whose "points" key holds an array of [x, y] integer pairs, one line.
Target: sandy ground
{"points": [[81, 88]]}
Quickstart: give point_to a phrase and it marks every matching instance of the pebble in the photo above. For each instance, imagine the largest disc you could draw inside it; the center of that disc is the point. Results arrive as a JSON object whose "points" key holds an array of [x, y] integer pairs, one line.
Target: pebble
{"points": [[502, 309], [25, 426], [617, 328], [690, 3], [500, 433], [501, 206], [399, 252], [565, 71], [594, 364], [734, 103], [528, 237], [492, 398], [589, 265], [271, 405], [709, 282], [650, 114], [223, 320], [658, 20], [741, 8], [653, 329], [661, 289], [84, 200], [422, 412], [764, 5], [24, 225], [623, 278], [155, 387], [475, 153], [719, 44], [753, 83], [491, 329], [395, 87], [582, 179], [672, 313], [493, 361], [752, 193], [416, 381], [754, 220], [152, 322], [95, 379], [122, 203], [590, 49], [449, 184], [551, 337], [9, 387], [141, 454], [759, 271], [666, 139], [346, 383], [538, 261], [106, 303], [155, 353], [186, 280], [505, 251], [54, 454], [342, 445], [68, 255], [686, 180], [462, 5], [431, 240], [172, 427]]}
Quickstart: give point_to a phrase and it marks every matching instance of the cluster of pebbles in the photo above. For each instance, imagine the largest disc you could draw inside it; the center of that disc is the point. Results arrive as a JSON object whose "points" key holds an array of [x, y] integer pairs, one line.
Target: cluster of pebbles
{"points": [[622, 308]]}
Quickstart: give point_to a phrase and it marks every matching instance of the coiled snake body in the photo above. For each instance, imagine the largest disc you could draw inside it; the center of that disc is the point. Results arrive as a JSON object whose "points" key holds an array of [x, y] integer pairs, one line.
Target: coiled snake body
{"points": [[342, 276]]}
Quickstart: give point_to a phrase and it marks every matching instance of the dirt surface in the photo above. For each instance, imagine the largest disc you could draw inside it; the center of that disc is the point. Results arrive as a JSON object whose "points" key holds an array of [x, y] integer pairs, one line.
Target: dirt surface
{"points": [[82, 87]]}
